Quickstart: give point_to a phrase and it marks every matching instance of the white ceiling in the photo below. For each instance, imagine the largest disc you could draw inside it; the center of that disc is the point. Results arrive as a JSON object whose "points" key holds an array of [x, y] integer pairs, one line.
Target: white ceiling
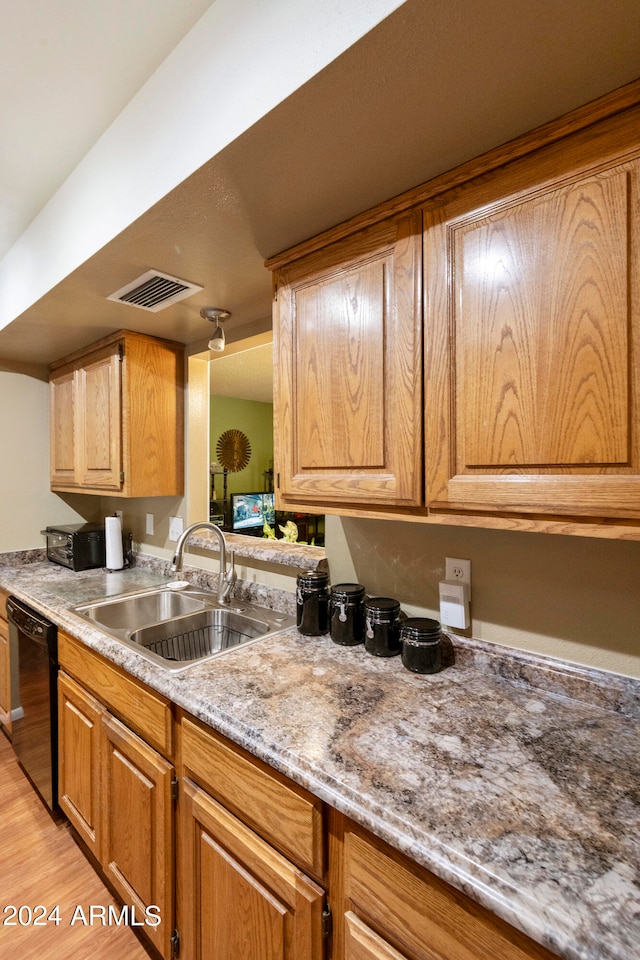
{"points": [[67, 69], [432, 86], [247, 374]]}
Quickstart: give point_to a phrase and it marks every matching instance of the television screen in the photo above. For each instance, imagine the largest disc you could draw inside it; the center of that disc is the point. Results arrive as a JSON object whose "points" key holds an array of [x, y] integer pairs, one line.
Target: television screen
{"points": [[250, 510]]}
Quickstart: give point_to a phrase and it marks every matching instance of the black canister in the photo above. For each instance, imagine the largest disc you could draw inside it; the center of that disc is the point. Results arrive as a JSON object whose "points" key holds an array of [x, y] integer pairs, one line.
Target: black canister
{"points": [[312, 603], [421, 642], [346, 614], [382, 626]]}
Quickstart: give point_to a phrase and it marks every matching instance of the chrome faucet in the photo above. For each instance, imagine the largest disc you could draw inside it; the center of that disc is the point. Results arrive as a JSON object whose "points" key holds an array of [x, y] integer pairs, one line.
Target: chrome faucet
{"points": [[226, 578]]}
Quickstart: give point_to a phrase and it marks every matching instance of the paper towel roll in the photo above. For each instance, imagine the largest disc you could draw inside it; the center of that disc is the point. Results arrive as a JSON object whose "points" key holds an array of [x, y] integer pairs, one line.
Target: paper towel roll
{"points": [[113, 543]]}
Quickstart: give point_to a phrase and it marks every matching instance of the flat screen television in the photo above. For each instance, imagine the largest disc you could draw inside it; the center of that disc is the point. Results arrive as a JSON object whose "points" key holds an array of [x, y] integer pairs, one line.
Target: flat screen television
{"points": [[250, 510]]}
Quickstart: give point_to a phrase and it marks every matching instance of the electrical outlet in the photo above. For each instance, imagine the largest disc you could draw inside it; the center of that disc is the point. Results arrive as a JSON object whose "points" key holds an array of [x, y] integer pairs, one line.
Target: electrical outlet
{"points": [[118, 513], [458, 570]]}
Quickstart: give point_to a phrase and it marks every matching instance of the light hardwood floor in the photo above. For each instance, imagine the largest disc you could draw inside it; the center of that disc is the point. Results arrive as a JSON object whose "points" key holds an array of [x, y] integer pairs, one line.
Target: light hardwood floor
{"points": [[40, 864]]}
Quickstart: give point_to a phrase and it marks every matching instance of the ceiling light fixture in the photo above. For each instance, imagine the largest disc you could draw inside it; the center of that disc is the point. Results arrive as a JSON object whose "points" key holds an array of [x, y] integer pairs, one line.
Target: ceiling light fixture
{"points": [[217, 315]]}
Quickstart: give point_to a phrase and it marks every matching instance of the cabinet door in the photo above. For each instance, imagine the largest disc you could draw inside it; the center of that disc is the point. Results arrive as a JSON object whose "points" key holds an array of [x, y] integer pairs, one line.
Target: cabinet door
{"points": [[361, 943], [63, 415], [348, 371], [79, 739], [533, 336], [137, 826], [99, 429], [5, 677], [239, 898]]}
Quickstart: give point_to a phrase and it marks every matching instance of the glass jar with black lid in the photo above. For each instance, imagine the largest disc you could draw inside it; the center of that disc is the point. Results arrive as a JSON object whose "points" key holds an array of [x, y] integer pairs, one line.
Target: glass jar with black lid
{"points": [[346, 614], [382, 617], [421, 645], [312, 603]]}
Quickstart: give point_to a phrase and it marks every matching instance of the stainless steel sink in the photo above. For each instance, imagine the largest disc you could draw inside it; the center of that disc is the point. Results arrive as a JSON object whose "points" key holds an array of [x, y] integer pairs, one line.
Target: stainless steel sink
{"points": [[179, 629], [127, 613], [189, 639]]}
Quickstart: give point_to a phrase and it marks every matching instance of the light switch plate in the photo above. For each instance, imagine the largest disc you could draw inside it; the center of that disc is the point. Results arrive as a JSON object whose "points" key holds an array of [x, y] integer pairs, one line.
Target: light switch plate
{"points": [[149, 525], [176, 527]]}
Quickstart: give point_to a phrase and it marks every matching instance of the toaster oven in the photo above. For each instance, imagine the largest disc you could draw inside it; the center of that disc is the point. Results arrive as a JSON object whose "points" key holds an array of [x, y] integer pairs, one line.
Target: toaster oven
{"points": [[77, 546]]}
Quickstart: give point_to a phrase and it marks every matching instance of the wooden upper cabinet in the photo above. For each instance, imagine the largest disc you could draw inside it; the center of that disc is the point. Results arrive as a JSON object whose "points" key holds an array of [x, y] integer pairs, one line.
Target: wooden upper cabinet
{"points": [[533, 333], [63, 391], [98, 428], [117, 418], [348, 371]]}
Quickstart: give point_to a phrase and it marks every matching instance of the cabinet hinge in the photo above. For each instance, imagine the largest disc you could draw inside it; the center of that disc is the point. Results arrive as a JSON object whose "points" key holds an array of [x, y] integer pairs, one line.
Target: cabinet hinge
{"points": [[174, 789], [278, 480], [122, 476], [275, 292], [175, 944], [327, 921], [121, 352]]}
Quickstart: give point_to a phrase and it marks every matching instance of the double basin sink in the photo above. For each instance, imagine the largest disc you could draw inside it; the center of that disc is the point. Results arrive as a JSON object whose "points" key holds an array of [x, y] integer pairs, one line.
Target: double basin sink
{"points": [[177, 629]]}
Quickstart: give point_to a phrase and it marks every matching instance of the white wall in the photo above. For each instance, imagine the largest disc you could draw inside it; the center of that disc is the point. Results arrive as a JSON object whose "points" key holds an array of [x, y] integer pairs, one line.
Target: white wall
{"points": [[570, 597], [577, 598], [26, 502]]}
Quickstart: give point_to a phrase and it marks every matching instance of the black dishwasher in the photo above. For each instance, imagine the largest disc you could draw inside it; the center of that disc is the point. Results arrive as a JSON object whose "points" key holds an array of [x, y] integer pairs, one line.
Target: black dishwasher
{"points": [[34, 642]]}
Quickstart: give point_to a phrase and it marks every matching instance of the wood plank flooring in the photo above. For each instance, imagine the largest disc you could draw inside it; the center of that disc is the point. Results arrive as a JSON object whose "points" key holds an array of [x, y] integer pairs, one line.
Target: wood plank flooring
{"points": [[40, 864]]}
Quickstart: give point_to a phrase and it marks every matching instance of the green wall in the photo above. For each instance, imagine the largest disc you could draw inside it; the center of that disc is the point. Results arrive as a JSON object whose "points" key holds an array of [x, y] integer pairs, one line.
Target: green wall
{"points": [[256, 421]]}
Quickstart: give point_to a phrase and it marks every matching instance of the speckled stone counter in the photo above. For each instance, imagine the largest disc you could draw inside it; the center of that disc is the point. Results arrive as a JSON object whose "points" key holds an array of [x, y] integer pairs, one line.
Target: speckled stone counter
{"points": [[297, 555], [514, 778]]}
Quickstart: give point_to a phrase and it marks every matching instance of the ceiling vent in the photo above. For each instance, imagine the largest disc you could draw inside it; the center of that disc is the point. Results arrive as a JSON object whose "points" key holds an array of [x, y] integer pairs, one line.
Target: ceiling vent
{"points": [[154, 291]]}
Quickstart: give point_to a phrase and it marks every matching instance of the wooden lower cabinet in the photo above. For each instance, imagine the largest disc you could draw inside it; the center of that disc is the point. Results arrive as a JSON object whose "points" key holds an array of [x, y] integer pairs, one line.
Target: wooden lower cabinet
{"points": [[138, 828], [288, 817], [393, 909], [252, 863], [79, 741], [117, 793], [240, 898]]}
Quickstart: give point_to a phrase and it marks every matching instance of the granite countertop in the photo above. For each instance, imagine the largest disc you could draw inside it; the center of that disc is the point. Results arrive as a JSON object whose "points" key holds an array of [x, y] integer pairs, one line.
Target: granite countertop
{"points": [[515, 778], [298, 555]]}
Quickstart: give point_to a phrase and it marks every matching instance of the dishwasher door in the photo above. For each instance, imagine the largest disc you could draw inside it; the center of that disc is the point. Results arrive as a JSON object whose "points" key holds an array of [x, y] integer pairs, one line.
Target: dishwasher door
{"points": [[35, 727]]}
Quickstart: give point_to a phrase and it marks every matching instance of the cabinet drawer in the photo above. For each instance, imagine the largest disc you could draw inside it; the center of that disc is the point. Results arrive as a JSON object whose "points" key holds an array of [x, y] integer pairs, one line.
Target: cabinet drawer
{"points": [[279, 811], [142, 709], [419, 914]]}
